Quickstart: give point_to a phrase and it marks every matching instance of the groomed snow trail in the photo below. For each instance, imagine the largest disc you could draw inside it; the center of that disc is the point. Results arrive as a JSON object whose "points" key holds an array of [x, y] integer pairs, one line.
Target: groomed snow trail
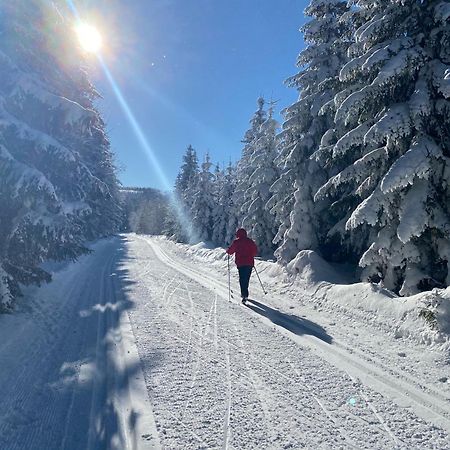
{"points": [[221, 375], [131, 348], [70, 374]]}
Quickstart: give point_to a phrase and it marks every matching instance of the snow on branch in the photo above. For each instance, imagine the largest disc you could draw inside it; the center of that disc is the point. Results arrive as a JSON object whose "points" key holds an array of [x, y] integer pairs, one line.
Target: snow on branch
{"points": [[353, 173], [393, 125], [50, 144], [352, 138], [73, 113], [414, 163], [420, 101], [341, 96], [368, 28], [23, 177], [44, 141], [366, 186], [367, 211], [413, 215], [407, 60], [442, 12], [355, 103]]}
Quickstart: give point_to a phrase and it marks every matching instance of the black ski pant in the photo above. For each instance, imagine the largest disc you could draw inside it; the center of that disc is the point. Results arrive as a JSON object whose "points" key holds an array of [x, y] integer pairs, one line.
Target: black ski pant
{"points": [[244, 279]]}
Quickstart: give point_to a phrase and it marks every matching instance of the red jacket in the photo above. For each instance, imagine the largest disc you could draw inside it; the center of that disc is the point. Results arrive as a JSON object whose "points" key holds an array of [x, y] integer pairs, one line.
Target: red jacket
{"points": [[245, 249]]}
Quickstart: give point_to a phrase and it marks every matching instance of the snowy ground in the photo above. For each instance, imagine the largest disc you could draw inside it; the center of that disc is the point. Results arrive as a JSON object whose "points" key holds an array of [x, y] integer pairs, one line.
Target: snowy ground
{"points": [[138, 346]]}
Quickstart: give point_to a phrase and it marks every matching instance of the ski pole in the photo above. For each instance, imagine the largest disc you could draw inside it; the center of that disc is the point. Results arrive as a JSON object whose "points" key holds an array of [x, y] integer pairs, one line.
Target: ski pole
{"points": [[257, 274], [229, 280]]}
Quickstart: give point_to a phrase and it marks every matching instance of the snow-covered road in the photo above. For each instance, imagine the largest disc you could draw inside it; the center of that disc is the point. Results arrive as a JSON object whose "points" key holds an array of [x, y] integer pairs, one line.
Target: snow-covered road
{"points": [[133, 348]]}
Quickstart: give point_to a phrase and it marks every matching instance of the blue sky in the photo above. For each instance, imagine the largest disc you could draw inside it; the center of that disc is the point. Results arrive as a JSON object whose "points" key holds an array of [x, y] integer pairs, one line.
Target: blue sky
{"points": [[191, 71]]}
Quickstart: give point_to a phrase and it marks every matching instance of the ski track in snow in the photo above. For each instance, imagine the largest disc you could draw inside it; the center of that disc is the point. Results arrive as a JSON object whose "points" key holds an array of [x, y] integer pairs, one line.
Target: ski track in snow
{"points": [[284, 392], [132, 348], [429, 400]]}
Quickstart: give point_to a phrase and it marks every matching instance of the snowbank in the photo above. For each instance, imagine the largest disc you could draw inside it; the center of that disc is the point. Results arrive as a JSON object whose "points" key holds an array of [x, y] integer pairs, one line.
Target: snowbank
{"points": [[424, 316]]}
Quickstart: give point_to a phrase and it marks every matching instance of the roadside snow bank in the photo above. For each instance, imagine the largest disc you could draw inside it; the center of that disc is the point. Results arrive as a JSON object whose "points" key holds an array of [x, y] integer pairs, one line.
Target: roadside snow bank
{"points": [[312, 268], [423, 317]]}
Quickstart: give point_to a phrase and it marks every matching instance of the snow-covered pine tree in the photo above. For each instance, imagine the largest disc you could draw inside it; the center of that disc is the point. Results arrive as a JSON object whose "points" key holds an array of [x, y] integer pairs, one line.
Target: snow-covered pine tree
{"points": [[397, 144], [232, 223], [189, 170], [301, 221], [281, 201], [224, 224], [172, 224], [218, 213], [94, 149], [179, 220], [203, 202], [49, 196], [258, 220], [244, 167]]}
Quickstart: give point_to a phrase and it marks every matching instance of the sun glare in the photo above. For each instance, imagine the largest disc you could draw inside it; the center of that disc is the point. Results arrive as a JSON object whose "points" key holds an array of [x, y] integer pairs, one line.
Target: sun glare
{"points": [[89, 38]]}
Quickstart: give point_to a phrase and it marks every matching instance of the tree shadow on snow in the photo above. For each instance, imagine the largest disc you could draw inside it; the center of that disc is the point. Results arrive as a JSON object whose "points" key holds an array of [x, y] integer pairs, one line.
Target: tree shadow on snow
{"points": [[290, 322], [66, 382], [97, 377], [114, 421]]}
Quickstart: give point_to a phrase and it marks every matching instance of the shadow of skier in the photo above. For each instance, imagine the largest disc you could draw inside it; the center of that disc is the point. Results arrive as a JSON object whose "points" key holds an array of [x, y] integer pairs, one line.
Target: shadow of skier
{"points": [[294, 324]]}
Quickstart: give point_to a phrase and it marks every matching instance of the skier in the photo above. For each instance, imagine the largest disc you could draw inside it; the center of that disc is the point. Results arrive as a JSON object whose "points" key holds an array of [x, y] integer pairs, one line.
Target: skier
{"points": [[245, 250]]}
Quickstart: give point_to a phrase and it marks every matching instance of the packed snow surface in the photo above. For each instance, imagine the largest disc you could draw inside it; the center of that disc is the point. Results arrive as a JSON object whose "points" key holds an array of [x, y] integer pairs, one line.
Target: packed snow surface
{"points": [[139, 345]]}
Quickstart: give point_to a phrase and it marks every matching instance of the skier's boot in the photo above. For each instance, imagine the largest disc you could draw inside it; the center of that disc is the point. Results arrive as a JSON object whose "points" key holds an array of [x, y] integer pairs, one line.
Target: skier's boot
{"points": [[244, 299]]}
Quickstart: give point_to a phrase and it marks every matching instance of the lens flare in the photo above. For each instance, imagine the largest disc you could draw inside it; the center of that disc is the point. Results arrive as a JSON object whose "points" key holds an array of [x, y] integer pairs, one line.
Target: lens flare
{"points": [[91, 41], [89, 38], [185, 222]]}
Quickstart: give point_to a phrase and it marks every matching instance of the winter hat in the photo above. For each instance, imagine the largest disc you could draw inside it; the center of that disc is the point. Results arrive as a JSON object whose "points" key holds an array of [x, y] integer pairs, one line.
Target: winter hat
{"points": [[241, 233]]}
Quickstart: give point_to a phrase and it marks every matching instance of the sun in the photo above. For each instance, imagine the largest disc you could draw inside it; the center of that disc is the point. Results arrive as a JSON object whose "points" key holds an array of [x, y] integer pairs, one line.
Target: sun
{"points": [[89, 37]]}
